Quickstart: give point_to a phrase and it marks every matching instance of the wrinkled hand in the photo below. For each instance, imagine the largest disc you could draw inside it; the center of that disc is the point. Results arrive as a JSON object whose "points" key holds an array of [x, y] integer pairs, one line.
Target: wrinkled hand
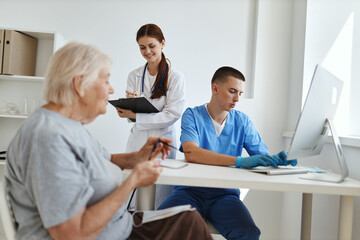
{"points": [[146, 173], [281, 159], [124, 113], [255, 160], [148, 149]]}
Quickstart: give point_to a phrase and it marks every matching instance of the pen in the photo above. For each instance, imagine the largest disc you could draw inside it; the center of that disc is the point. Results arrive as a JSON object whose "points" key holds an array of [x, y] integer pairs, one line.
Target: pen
{"points": [[165, 143], [154, 147], [172, 146]]}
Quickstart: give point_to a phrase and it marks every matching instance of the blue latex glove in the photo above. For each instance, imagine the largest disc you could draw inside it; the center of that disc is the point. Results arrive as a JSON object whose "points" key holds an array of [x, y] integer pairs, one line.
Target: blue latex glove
{"points": [[281, 159], [255, 160]]}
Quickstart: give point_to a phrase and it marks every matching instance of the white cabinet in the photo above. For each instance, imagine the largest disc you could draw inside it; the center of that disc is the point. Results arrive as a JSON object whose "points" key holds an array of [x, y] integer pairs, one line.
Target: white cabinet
{"points": [[19, 95]]}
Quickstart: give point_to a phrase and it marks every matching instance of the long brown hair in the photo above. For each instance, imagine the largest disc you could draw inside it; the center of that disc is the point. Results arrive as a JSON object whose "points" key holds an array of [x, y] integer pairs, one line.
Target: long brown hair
{"points": [[154, 31]]}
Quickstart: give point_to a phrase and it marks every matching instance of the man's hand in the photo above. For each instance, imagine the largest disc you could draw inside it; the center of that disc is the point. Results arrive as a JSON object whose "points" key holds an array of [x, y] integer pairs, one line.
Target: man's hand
{"points": [[255, 160], [281, 159]]}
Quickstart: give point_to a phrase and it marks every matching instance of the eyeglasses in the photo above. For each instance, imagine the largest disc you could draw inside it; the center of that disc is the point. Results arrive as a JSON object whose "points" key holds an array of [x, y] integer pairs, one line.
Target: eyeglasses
{"points": [[165, 143]]}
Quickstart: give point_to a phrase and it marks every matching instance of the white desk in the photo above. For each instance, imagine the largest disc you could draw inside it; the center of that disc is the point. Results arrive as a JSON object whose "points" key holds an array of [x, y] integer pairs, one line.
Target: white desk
{"points": [[228, 177]]}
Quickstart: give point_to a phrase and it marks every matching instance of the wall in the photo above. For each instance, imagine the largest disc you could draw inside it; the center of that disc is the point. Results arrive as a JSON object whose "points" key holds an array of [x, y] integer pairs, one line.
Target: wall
{"points": [[196, 45], [311, 43]]}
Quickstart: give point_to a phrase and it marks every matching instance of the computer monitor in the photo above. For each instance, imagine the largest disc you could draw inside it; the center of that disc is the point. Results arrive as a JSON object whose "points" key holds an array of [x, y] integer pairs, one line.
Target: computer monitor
{"points": [[315, 122]]}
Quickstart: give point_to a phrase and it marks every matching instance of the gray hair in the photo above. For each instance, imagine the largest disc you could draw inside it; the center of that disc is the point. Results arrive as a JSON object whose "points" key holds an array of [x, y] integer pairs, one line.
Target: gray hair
{"points": [[74, 59]]}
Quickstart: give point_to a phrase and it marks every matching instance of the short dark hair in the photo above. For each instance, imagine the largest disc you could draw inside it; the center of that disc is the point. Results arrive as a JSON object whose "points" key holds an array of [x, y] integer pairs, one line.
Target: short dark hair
{"points": [[220, 76]]}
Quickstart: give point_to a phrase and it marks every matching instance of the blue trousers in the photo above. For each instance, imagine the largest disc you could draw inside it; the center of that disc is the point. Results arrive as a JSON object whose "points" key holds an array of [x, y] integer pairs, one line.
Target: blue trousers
{"points": [[227, 213]]}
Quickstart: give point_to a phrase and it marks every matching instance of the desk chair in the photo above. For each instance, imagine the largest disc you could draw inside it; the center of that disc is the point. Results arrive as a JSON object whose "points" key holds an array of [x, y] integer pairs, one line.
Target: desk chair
{"points": [[7, 217]]}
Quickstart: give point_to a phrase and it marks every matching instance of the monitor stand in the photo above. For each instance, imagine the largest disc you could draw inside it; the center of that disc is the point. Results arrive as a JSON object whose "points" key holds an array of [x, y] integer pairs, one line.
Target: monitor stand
{"points": [[331, 177]]}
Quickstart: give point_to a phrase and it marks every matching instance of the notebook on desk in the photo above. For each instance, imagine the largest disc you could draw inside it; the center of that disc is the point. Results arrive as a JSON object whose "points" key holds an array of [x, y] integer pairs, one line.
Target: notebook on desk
{"points": [[280, 170]]}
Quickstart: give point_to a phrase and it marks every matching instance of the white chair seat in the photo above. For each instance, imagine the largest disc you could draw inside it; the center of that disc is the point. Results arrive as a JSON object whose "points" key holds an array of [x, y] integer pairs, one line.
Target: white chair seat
{"points": [[6, 213]]}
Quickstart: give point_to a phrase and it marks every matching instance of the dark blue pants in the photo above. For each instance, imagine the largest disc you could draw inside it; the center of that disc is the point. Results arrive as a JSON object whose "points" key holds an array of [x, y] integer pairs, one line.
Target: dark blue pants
{"points": [[227, 212]]}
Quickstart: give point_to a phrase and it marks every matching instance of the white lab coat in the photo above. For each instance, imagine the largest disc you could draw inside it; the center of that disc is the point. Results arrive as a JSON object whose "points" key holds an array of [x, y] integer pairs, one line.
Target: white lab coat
{"points": [[170, 108], [159, 124]]}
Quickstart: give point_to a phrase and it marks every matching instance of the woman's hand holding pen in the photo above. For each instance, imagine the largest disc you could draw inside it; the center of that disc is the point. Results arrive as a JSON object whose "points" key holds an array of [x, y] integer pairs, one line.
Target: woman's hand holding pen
{"points": [[153, 147], [147, 170], [133, 94], [124, 113]]}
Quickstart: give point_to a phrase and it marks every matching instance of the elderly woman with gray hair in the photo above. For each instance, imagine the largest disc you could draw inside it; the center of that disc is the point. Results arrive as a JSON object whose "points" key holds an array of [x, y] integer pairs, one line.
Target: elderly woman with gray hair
{"points": [[62, 183]]}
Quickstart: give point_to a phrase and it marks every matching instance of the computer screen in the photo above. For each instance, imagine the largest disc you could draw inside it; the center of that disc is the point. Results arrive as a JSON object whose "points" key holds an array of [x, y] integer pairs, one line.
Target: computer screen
{"points": [[316, 118]]}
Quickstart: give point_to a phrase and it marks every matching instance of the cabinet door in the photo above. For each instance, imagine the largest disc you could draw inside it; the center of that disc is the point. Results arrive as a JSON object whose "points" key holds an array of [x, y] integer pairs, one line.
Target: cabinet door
{"points": [[19, 54]]}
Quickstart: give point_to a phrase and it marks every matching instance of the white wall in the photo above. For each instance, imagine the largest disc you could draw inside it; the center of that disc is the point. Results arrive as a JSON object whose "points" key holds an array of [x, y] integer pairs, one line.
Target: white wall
{"points": [[320, 23], [196, 43]]}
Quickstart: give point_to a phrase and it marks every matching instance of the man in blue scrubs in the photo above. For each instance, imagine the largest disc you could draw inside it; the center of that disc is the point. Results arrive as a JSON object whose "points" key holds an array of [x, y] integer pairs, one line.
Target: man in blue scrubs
{"points": [[216, 134]]}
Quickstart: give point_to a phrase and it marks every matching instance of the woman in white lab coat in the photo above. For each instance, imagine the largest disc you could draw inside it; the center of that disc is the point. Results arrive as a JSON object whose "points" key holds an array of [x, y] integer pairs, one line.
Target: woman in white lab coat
{"points": [[161, 84]]}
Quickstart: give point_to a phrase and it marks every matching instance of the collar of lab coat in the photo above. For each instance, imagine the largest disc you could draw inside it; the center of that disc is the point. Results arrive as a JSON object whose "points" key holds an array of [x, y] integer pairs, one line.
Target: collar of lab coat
{"points": [[140, 70]]}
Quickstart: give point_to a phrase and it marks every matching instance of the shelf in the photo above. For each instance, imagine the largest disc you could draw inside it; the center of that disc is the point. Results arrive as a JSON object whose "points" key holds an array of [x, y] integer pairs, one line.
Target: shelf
{"points": [[20, 90], [13, 116], [22, 78]]}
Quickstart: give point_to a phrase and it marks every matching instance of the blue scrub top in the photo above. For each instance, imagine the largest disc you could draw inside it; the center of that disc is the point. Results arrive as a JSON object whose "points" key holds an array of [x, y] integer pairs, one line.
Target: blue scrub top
{"points": [[239, 132]]}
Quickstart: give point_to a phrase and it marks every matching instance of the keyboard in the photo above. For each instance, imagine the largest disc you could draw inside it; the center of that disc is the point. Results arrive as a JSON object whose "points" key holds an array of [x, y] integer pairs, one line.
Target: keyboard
{"points": [[279, 170]]}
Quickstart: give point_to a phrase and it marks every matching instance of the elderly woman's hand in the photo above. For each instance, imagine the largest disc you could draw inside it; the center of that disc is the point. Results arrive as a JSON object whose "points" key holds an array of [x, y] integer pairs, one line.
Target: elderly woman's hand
{"points": [[146, 173], [124, 113], [153, 147]]}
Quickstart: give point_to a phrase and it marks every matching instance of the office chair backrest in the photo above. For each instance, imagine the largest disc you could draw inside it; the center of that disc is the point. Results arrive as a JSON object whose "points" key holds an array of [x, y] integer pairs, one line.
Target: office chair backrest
{"points": [[7, 217]]}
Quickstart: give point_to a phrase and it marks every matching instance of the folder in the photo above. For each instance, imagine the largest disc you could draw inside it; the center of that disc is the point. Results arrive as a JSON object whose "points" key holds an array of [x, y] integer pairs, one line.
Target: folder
{"points": [[19, 54], [137, 105], [2, 32]]}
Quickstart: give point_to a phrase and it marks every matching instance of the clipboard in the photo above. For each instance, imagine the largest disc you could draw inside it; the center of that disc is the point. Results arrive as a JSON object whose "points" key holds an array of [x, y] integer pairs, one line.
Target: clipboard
{"points": [[137, 105]]}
